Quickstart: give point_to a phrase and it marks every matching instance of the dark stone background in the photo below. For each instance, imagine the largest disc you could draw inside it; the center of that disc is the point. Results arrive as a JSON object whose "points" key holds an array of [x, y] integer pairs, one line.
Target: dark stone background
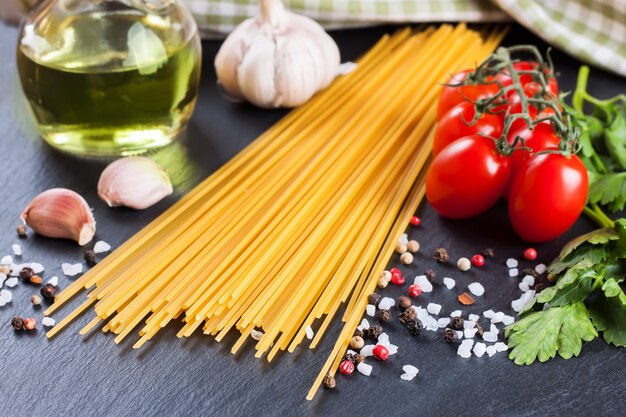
{"points": [[197, 377]]}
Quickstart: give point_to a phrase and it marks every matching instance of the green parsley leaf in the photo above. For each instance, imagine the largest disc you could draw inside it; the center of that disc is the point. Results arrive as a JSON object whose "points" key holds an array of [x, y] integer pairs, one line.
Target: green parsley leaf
{"points": [[608, 313], [608, 190], [614, 136], [542, 334]]}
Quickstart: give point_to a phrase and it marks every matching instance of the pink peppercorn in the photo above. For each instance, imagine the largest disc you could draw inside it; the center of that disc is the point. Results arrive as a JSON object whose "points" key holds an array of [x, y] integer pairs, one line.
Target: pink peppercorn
{"points": [[397, 279], [346, 367], [380, 352], [415, 221], [478, 260], [530, 254], [414, 290]]}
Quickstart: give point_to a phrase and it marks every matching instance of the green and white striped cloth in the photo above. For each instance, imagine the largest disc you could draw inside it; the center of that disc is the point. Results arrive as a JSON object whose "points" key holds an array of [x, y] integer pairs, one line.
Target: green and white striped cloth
{"points": [[592, 30]]}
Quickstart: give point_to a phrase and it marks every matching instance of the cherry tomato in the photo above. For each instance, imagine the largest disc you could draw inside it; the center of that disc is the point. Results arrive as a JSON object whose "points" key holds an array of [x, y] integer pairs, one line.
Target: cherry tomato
{"points": [[466, 177], [547, 196], [453, 125], [541, 138], [451, 96]]}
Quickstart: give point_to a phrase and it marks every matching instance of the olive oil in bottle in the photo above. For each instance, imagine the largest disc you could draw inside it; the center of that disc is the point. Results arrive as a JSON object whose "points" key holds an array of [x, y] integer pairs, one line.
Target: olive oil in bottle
{"points": [[110, 81]]}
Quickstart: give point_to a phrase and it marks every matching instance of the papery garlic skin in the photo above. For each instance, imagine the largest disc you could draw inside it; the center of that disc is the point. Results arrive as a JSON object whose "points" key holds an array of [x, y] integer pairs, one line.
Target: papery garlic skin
{"points": [[61, 213], [277, 59], [134, 182]]}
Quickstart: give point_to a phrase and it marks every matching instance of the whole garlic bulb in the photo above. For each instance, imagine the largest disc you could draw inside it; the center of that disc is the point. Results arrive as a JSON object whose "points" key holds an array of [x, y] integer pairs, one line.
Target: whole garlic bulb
{"points": [[134, 182], [277, 59]]}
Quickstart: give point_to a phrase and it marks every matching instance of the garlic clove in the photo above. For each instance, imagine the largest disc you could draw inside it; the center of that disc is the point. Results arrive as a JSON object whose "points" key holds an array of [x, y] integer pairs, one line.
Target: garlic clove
{"points": [[135, 182], [61, 213]]}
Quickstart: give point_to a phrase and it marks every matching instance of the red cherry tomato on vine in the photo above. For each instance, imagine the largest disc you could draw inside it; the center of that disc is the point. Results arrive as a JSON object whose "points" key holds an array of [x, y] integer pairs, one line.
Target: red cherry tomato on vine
{"points": [[453, 125], [451, 96], [466, 177], [541, 138], [547, 196]]}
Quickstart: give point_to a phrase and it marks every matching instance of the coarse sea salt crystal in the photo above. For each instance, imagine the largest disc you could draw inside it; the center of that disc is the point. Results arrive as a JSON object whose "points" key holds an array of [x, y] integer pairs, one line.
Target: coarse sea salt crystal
{"points": [[17, 249], [309, 332], [488, 314], [367, 350], [449, 283], [54, 281], [523, 286], [519, 304], [501, 347], [459, 334], [469, 324], [256, 335], [465, 348], [512, 263], [48, 321], [513, 272], [506, 320], [540, 269], [497, 317], [392, 349], [351, 352], [430, 324], [404, 239], [410, 372], [364, 368], [443, 322], [6, 296], [474, 317], [3, 277], [476, 288], [490, 337], [469, 333], [529, 279], [370, 310], [11, 282], [479, 349], [424, 283], [491, 350], [6, 260], [71, 269], [101, 246], [383, 339], [364, 325], [386, 303], [433, 308], [493, 329], [456, 313]]}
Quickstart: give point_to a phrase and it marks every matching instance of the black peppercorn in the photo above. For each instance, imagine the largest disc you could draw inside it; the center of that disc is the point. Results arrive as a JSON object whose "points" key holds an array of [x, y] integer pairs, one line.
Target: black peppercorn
{"points": [[21, 231], [373, 332], [449, 335], [530, 271], [430, 275], [414, 326], [456, 323], [17, 323], [404, 302], [373, 299], [479, 329], [27, 273], [48, 292], [359, 333], [407, 315], [441, 255], [329, 382], [90, 257], [358, 358], [488, 253], [384, 316], [349, 357], [539, 287]]}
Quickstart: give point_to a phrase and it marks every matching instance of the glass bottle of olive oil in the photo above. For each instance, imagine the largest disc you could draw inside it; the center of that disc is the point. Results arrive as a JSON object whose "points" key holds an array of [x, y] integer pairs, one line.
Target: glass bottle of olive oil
{"points": [[110, 77]]}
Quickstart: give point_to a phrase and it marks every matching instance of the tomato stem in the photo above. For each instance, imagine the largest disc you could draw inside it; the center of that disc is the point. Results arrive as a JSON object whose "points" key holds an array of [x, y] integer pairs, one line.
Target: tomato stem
{"points": [[595, 213]]}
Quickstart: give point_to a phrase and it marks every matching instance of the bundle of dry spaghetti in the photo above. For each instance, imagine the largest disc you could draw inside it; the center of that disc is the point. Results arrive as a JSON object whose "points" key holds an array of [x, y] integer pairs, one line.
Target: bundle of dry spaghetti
{"points": [[301, 221]]}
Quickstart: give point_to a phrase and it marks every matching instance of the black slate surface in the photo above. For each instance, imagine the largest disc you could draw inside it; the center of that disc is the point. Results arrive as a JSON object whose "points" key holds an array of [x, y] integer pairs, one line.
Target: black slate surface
{"points": [[73, 376]]}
